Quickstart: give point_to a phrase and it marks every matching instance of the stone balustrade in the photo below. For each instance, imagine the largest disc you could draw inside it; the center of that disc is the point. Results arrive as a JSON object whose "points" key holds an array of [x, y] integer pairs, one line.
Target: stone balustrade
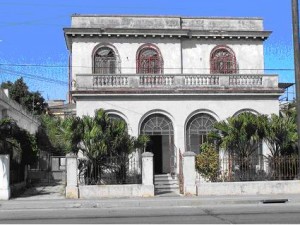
{"points": [[97, 81]]}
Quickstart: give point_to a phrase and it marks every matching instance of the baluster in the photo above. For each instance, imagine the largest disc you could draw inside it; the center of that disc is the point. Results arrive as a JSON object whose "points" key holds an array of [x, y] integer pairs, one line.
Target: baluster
{"points": [[95, 81]]}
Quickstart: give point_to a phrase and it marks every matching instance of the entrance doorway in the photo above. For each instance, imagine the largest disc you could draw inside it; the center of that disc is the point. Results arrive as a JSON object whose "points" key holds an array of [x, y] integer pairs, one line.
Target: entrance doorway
{"points": [[155, 146], [160, 130]]}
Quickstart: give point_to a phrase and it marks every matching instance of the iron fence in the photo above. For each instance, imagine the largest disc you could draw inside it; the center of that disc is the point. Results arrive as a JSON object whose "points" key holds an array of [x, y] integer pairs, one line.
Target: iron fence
{"points": [[257, 169], [17, 173], [110, 170]]}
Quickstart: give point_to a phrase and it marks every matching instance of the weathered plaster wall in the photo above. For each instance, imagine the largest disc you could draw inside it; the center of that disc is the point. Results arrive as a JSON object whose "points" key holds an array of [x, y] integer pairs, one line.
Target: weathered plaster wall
{"points": [[15, 111], [196, 55], [177, 108], [82, 51], [166, 22]]}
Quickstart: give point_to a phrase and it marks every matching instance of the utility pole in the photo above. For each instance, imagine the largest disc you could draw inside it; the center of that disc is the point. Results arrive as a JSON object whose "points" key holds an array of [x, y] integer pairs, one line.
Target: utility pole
{"points": [[295, 15]]}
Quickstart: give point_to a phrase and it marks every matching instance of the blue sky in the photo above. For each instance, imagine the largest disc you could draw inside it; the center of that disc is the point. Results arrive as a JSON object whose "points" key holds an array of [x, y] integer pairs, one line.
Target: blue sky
{"points": [[32, 43]]}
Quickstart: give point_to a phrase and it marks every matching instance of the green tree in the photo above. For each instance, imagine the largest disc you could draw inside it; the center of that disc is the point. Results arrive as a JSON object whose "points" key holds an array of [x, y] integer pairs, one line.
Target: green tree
{"points": [[9, 144], [100, 138], [281, 135], [240, 135], [19, 91]]}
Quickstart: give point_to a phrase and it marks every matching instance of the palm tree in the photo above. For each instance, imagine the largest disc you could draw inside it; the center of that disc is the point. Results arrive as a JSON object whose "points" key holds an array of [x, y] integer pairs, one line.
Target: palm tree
{"points": [[281, 135], [104, 142], [240, 137]]}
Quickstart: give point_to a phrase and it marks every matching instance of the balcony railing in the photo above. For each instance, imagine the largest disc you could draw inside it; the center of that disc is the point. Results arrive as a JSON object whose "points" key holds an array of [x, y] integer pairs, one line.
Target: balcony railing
{"points": [[97, 81]]}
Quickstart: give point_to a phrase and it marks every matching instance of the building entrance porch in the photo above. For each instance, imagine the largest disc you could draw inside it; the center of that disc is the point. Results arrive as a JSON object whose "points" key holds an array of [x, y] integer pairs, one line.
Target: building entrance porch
{"points": [[160, 130]]}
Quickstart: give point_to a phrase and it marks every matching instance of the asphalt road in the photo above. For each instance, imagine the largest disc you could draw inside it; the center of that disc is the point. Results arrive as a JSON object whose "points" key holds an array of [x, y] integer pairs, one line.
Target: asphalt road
{"points": [[247, 213]]}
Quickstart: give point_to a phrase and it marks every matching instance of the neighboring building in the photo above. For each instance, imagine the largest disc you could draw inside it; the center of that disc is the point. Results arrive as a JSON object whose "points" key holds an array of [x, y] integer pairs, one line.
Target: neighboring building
{"points": [[170, 77], [12, 109], [57, 108]]}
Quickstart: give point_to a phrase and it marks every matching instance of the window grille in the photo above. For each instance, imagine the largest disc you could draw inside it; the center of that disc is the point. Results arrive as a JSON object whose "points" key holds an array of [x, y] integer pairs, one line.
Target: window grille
{"points": [[197, 130], [105, 61], [223, 61], [157, 124], [149, 61]]}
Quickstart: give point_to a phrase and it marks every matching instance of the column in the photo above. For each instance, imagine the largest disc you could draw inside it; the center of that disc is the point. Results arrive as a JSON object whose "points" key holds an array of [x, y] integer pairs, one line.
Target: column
{"points": [[189, 173], [4, 177], [147, 174], [72, 184]]}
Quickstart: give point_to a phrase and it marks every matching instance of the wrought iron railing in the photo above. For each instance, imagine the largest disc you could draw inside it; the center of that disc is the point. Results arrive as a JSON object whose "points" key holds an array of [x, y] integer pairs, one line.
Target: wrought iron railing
{"points": [[254, 169], [17, 173], [110, 170]]}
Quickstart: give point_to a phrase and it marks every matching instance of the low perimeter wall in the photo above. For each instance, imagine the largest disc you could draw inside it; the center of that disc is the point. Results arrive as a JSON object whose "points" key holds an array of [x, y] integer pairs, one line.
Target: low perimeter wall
{"points": [[249, 188], [104, 191]]}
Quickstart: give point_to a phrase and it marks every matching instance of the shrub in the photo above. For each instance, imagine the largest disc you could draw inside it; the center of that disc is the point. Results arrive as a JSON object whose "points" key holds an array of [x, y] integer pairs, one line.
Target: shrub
{"points": [[207, 162]]}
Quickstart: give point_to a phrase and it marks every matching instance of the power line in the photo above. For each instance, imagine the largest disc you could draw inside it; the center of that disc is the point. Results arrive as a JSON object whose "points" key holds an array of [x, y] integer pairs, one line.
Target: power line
{"points": [[35, 77], [66, 66]]}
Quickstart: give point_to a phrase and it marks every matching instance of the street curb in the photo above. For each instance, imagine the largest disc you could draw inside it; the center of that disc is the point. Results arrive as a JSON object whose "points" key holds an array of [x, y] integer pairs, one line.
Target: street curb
{"points": [[133, 202]]}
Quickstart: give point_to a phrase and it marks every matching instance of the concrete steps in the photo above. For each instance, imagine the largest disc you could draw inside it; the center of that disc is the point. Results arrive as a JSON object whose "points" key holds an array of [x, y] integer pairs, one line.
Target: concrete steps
{"points": [[165, 183]]}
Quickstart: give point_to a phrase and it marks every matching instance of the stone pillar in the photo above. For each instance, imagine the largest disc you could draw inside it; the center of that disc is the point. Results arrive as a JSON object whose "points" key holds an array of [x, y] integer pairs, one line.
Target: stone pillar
{"points": [[72, 184], [147, 174], [189, 173], [4, 177]]}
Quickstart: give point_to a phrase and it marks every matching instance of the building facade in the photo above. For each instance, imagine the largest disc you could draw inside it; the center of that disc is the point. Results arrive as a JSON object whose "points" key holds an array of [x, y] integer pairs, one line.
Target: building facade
{"points": [[11, 109], [171, 78]]}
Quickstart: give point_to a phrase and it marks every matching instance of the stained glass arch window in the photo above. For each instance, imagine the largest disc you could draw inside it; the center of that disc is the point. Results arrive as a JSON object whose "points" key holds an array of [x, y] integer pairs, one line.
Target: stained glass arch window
{"points": [[149, 60], [223, 61], [105, 61]]}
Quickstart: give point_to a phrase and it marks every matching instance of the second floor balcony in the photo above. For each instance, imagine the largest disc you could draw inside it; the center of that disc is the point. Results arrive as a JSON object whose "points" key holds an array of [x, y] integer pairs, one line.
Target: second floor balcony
{"points": [[176, 83]]}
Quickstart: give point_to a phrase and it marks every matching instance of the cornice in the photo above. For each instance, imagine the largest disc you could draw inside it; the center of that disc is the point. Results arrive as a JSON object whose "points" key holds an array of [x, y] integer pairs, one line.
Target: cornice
{"points": [[71, 33]]}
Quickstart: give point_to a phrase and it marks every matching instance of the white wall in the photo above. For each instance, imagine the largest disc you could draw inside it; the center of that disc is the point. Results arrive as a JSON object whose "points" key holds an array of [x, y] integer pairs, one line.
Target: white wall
{"points": [[82, 50], [15, 111], [196, 55], [177, 108]]}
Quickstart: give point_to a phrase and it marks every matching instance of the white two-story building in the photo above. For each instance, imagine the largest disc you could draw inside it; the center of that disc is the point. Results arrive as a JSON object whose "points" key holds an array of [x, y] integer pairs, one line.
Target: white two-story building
{"points": [[169, 77]]}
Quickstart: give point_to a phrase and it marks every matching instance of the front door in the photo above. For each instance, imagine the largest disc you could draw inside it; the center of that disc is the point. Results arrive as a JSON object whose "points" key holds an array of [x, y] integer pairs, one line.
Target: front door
{"points": [[155, 146]]}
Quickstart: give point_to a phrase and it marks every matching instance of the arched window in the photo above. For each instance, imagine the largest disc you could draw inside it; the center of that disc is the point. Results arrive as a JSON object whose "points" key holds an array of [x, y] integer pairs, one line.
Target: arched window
{"points": [[105, 61], [149, 60], [198, 128], [223, 61], [157, 124], [115, 117]]}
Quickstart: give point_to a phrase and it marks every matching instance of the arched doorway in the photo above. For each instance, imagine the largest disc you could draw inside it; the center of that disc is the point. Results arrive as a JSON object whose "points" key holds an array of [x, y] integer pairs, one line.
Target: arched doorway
{"points": [[160, 130]]}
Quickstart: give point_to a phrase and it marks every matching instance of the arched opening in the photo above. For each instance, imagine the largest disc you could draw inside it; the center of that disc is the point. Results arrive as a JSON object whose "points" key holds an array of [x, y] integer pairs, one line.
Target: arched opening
{"points": [[105, 61], [160, 130], [149, 60], [115, 117], [197, 131], [223, 61]]}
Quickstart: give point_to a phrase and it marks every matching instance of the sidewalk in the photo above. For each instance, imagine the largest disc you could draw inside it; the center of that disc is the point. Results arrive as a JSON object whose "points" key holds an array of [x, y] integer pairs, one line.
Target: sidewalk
{"points": [[157, 201]]}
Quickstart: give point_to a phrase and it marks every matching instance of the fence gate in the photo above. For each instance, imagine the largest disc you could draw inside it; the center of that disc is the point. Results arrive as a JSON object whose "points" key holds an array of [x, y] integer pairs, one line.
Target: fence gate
{"points": [[180, 175]]}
